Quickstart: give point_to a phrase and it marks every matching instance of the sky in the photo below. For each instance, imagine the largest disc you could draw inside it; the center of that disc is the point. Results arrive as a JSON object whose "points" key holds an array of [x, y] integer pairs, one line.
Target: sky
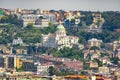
{"points": [[85, 5]]}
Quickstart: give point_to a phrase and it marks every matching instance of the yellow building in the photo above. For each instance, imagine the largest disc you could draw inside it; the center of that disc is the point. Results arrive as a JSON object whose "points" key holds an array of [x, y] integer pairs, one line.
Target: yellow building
{"points": [[17, 62]]}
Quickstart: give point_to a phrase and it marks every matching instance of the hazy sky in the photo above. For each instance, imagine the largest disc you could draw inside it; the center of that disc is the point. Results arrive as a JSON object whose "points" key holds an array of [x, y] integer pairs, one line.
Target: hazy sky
{"points": [[93, 5]]}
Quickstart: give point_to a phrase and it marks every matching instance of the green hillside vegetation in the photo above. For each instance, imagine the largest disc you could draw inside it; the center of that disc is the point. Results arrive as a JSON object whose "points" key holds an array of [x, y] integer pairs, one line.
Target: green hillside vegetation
{"points": [[31, 34]]}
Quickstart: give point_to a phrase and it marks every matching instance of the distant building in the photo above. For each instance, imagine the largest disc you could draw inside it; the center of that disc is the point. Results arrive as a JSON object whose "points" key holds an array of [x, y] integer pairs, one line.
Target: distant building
{"points": [[5, 50], [2, 60], [17, 41], [97, 17], [92, 65], [51, 18], [118, 53], [37, 19], [24, 11], [29, 18], [28, 65], [10, 62], [76, 65], [59, 39], [72, 14], [78, 46], [43, 68], [42, 22], [116, 44], [94, 42], [17, 62], [104, 70], [97, 23], [105, 60], [109, 46], [18, 76]]}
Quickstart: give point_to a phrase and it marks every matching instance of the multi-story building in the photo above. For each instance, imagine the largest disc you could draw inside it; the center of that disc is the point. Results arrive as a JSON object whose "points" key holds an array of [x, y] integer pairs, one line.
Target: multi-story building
{"points": [[94, 42], [2, 62], [28, 65], [17, 62], [10, 61], [43, 22], [59, 39], [43, 68], [37, 20], [51, 18], [29, 18]]}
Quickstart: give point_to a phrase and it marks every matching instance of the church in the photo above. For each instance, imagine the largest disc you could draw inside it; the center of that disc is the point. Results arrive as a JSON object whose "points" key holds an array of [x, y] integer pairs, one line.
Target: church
{"points": [[59, 40]]}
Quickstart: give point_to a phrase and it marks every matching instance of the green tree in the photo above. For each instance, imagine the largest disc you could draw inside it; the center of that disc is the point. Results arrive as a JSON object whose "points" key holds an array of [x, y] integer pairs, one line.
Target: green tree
{"points": [[4, 19], [30, 25], [88, 18], [112, 20], [115, 60], [51, 71]]}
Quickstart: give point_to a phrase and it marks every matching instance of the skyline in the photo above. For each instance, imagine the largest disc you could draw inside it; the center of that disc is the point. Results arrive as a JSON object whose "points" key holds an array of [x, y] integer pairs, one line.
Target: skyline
{"points": [[88, 5]]}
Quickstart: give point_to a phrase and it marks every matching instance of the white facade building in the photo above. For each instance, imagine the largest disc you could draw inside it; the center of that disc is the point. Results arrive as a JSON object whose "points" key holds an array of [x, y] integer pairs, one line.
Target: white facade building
{"points": [[42, 22], [17, 41], [37, 20], [59, 40], [29, 18], [51, 18], [43, 68], [94, 42]]}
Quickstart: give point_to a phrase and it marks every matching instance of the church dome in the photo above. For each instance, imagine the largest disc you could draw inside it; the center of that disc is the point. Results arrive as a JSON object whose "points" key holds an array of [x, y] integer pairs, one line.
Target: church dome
{"points": [[60, 27]]}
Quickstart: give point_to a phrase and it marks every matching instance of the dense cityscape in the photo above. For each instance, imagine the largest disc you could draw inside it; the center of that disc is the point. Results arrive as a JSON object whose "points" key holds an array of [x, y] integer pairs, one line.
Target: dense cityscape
{"points": [[40, 44]]}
